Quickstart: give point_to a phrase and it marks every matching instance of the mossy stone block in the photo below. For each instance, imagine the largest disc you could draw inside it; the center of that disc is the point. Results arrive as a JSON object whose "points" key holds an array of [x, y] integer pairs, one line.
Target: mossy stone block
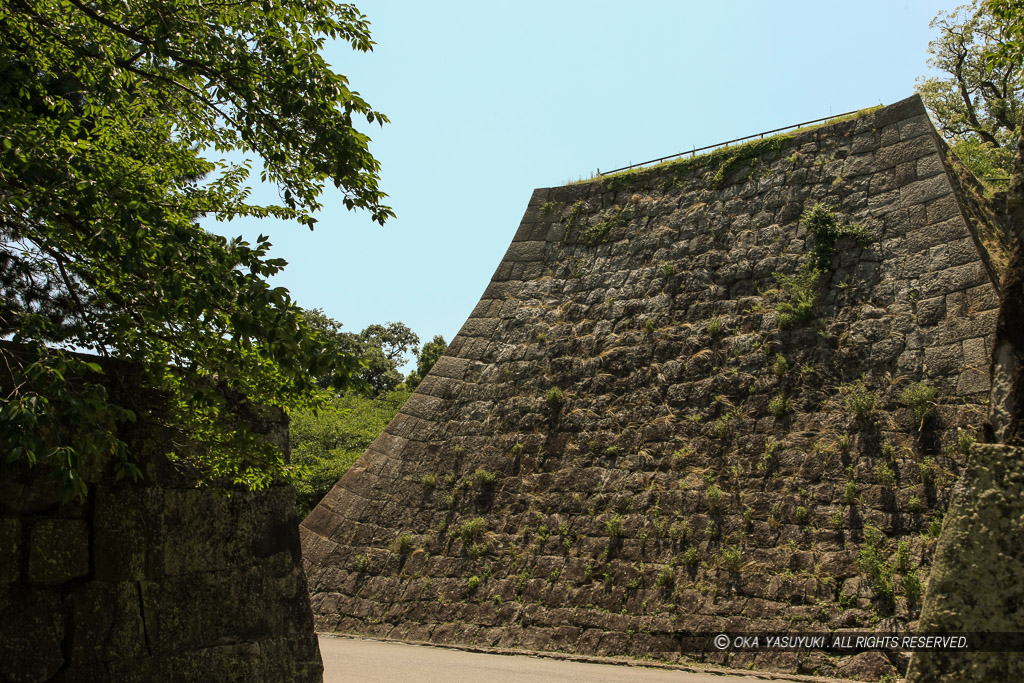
{"points": [[58, 551]]}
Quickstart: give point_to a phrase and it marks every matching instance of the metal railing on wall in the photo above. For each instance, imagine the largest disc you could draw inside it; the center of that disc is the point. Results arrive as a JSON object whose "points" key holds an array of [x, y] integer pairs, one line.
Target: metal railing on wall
{"points": [[693, 152]]}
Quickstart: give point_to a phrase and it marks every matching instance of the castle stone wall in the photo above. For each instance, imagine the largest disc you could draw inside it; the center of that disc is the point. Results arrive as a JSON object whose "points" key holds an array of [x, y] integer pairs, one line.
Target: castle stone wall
{"points": [[633, 438]]}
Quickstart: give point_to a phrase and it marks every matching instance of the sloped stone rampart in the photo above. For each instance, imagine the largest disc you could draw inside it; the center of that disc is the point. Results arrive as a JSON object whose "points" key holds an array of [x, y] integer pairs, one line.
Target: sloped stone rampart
{"points": [[151, 581], [633, 437]]}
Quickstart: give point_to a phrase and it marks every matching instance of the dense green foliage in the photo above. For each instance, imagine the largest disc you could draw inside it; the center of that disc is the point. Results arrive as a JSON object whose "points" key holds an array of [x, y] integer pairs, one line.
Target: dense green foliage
{"points": [[105, 107], [327, 443], [978, 102]]}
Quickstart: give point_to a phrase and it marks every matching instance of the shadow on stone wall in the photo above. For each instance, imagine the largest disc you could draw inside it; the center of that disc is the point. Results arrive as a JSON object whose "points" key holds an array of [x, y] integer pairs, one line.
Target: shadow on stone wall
{"points": [[151, 581], [977, 581]]}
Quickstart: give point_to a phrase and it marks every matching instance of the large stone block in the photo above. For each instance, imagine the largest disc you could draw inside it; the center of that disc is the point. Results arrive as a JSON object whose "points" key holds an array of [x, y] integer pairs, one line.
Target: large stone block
{"points": [[58, 551], [31, 637], [10, 555]]}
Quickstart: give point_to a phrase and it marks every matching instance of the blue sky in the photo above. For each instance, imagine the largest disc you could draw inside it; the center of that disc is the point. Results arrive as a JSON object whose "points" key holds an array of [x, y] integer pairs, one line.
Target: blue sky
{"points": [[489, 100]]}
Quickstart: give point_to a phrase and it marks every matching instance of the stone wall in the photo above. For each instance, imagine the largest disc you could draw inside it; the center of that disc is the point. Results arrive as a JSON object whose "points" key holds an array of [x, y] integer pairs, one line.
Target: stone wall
{"points": [[977, 583], [151, 581], [651, 425]]}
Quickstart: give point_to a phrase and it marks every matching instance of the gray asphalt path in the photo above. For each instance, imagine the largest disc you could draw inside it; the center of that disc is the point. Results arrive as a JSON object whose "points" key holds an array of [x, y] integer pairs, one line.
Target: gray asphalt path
{"points": [[373, 661]]}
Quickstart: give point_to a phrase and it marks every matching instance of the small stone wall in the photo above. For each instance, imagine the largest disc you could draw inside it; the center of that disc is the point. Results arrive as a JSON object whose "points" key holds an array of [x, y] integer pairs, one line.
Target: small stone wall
{"points": [[151, 581]]}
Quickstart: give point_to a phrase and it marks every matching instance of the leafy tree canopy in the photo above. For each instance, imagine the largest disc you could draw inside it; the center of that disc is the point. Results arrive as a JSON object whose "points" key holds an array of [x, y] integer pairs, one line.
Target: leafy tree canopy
{"points": [[978, 101], [428, 355], [381, 348], [1010, 54], [106, 110], [326, 443]]}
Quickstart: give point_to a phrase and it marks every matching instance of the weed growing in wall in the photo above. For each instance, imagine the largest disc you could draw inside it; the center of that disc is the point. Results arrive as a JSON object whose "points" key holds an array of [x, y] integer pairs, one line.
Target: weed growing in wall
{"points": [[860, 400], [919, 398], [871, 563], [614, 527], [823, 223], [778, 406], [403, 545], [598, 232], [801, 291], [485, 478], [472, 529], [572, 218], [801, 295], [554, 397]]}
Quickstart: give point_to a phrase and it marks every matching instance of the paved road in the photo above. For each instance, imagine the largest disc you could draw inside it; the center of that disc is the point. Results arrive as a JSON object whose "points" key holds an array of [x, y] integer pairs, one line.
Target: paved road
{"points": [[374, 661]]}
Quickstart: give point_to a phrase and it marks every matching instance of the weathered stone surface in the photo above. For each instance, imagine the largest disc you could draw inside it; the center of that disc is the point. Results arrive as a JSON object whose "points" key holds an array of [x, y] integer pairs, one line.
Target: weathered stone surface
{"points": [[31, 634], [644, 443], [58, 551], [977, 580], [10, 558]]}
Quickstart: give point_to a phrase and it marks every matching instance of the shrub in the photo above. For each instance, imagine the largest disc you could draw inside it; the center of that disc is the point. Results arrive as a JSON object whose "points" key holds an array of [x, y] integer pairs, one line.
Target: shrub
{"points": [[614, 526], [860, 400], [362, 562], [714, 497], [822, 221], [471, 529], [690, 556], [778, 406], [429, 481], [517, 449], [485, 478], [649, 326], [731, 558], [935, 526], [920, 399], [886, 477], [781, 365], [801, 514], [404, 544], [554, 397], [473, 583], [715, 327]]}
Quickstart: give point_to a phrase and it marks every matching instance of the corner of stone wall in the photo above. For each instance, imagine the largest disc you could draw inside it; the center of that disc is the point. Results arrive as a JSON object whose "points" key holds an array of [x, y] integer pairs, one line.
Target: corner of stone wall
{"points": [[152, 581], [977, 579]]}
